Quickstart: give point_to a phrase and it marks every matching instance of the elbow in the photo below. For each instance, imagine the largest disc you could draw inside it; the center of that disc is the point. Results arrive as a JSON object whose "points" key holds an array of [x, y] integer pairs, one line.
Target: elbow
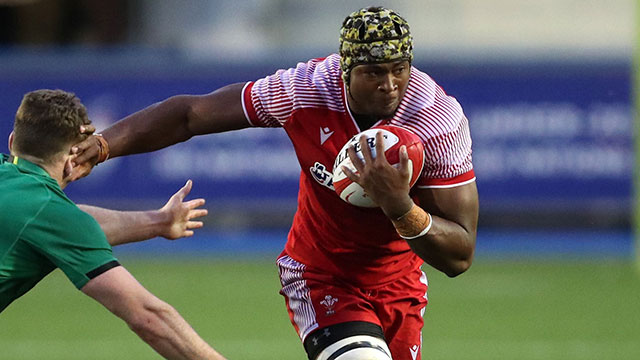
{"points": [[457, 269], [143, 327], [460, 263], [148, 323], [181, 108], [458, 266]]}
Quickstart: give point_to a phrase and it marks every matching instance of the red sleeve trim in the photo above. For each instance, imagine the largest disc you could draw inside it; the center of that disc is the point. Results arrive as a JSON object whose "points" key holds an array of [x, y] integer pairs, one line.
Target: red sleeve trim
{"points": [[459, 180], [247, 105]]}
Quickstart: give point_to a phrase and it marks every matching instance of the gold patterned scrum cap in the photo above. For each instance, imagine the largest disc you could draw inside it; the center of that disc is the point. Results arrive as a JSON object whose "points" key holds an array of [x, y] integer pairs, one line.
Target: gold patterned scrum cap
{"points": [[373, 35]]}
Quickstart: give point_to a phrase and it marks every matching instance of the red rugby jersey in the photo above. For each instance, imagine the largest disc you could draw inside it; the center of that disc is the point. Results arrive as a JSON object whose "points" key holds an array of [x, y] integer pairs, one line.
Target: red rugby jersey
{"points": [[328, 235]]}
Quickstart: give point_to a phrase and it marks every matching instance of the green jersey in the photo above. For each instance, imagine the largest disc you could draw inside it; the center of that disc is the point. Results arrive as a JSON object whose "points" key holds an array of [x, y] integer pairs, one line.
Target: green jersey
{"points": [[41, 230]]}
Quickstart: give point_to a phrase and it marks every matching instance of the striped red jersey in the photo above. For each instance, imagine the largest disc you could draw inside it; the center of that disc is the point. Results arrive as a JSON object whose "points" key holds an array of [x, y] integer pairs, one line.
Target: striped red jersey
{"points": [[329, 235]]}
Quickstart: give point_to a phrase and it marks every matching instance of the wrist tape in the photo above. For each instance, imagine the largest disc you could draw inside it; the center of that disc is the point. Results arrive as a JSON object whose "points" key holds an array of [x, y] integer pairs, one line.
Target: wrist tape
{"points": [[414, 224], [103, 149]]}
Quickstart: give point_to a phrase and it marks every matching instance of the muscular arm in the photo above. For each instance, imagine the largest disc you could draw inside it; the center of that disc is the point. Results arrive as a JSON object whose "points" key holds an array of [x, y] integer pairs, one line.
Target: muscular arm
{"points": [[154, 321], [174, 220], [450, 243], [168, 122]]}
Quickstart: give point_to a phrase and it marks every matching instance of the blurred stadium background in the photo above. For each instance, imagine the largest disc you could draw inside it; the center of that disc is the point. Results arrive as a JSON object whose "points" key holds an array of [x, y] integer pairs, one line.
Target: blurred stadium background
{"points": [[547, 86]]}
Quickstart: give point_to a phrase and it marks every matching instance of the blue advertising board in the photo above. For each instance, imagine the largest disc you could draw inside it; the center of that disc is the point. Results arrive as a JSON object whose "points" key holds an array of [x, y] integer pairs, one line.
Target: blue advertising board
{"points": [[544, 135]]}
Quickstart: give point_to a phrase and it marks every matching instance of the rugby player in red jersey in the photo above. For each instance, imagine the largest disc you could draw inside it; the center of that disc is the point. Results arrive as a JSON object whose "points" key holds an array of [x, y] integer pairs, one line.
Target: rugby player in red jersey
{"points": [[351, 277]]}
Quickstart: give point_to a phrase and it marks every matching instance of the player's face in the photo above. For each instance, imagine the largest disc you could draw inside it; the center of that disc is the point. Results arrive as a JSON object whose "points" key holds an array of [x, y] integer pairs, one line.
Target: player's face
{"points": [[377, 89]]}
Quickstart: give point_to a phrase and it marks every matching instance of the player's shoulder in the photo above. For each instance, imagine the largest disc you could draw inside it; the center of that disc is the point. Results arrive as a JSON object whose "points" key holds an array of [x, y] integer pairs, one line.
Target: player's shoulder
{"points": [[27, 191], [321, 74], [57, 208], [47, 213], [329, 63], [315, 73], [314, 83], [66, 222], [426, 92], [323, 71], [427, 109], [65, 208]]}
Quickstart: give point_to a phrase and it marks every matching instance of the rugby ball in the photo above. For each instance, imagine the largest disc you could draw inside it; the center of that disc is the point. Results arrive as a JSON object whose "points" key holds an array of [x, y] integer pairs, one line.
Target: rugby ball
{"points": [[394, 137]]}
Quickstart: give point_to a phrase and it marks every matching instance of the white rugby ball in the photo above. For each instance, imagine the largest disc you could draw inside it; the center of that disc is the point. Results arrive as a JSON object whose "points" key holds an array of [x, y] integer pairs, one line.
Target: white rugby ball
{"points": [[394, 137]]}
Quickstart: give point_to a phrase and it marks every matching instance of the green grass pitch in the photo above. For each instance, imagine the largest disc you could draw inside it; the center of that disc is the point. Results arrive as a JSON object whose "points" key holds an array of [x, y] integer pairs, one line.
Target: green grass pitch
{"points": [[497, 310], [636, 120]]}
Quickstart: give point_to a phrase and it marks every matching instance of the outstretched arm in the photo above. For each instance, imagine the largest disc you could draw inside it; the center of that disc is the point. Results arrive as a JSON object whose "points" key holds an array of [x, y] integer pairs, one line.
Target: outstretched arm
{"points": [[174, 220], [168, 122], [153, 320]]}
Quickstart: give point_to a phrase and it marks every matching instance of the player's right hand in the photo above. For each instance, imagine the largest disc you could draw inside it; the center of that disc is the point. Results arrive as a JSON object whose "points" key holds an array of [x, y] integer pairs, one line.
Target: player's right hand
{"points": [[87, 153]]}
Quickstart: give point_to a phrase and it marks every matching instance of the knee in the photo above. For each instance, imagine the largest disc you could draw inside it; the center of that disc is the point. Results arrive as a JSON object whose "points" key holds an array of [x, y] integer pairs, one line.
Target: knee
{"points": [[358, 347]]}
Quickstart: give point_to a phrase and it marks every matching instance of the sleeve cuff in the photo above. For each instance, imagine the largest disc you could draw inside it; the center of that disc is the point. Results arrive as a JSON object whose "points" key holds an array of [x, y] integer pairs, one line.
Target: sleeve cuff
{"points": [[102, 269]]}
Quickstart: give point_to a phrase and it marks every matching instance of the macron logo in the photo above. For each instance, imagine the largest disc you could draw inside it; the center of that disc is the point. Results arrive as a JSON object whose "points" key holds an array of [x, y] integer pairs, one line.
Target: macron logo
{"points": [[324, 134], [414, 351]]}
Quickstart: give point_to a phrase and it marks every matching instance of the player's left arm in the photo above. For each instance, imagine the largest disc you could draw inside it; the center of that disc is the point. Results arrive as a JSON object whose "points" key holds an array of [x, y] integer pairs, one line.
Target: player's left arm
{"points": [[174, 220], [440, 228], [449, 244]]}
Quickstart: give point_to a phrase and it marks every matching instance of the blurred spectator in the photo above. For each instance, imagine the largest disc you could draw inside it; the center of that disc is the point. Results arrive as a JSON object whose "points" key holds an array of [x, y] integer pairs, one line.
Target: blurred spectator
{"points": [[63, 22]]}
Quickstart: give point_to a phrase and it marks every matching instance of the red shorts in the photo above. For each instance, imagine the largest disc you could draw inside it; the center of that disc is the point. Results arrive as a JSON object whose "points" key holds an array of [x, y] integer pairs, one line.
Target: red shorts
{"points": [[315, 300]]}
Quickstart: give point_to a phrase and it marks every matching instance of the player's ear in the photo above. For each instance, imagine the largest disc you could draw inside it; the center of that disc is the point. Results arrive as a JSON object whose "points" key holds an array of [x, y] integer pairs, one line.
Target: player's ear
{"points": [[10, 141]]}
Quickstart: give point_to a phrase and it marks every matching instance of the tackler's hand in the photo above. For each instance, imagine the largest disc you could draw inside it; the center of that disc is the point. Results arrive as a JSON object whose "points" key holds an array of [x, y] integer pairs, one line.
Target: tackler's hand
{"points": [[180, 214]]}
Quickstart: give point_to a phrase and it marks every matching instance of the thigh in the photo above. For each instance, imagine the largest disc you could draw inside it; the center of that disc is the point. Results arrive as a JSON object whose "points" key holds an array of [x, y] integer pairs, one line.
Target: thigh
{"points": [[315, 302], [401, 306]]}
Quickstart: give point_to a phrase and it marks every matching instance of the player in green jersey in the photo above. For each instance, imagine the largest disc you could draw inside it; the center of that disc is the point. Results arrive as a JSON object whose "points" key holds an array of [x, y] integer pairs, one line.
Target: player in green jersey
{"points": [[41, 229]]}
